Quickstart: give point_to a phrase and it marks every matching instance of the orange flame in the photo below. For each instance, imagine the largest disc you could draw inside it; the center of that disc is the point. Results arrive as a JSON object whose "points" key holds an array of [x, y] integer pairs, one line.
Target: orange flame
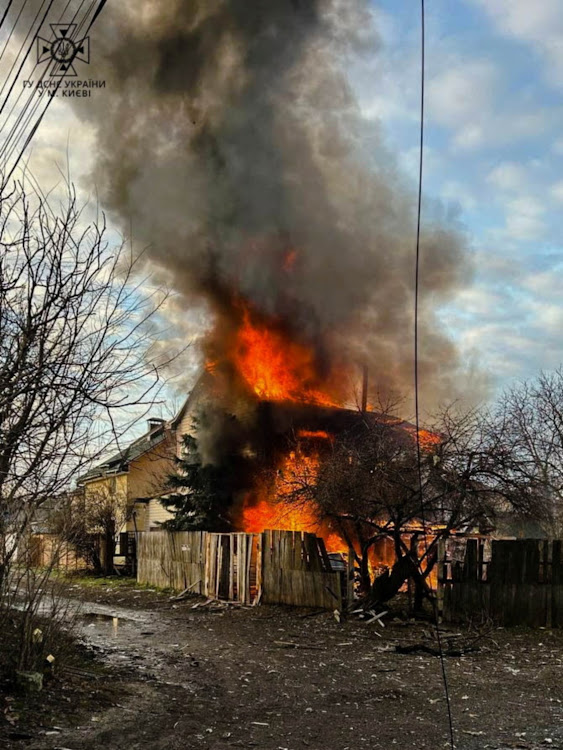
{"points": [[274, 515], [276, 368], [270, 506], [428, 440], [289, 260], [314, 434]]}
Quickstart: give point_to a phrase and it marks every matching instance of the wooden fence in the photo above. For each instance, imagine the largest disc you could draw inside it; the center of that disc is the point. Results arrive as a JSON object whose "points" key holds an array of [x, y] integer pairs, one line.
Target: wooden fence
{"points": [[231, 571], [174, 561], [296, 570], [276, 567], [513, 582], [43, 550]]}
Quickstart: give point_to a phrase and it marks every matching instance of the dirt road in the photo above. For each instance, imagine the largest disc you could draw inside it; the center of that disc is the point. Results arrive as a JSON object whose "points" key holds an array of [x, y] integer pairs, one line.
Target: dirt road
{"points": [[273, 679]]}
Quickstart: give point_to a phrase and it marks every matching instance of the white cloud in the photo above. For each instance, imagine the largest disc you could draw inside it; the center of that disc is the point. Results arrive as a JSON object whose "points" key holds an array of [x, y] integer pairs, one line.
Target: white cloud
{"points": [[524, 218], [548, 316], [479, 301], [557, 191], [457, 96], [467, 98], [508, 176], [539, 23], [456, 191], [546, 284]]}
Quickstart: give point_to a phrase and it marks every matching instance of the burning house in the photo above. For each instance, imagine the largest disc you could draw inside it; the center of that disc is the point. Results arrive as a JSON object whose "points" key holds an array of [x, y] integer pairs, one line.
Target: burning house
{"points": [[279, 437], [261, 193], [266, 199]]}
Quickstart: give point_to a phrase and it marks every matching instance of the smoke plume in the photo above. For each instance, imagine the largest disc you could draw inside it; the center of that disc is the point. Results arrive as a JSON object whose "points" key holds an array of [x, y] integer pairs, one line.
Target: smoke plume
{"points": [[230, 138]]}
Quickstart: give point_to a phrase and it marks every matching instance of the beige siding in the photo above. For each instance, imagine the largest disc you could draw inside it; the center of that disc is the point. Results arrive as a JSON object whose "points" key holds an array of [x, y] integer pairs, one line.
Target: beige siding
{"points": [[204, 392], [113, 488], [113, 485], [148, 473], [185, 427], [140, 521], [156, 514]]}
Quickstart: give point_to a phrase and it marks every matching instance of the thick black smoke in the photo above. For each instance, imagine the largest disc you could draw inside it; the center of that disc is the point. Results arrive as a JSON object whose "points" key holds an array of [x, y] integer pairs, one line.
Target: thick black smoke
{"points": [[229, 137]]}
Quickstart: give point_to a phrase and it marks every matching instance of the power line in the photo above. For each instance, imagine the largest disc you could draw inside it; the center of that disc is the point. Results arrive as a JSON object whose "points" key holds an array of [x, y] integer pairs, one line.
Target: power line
{"points": [[11, 30], [416, 378], [6, 12], [28, 117], [28, 51], [32, 96], [14, 105], [49, 98]]}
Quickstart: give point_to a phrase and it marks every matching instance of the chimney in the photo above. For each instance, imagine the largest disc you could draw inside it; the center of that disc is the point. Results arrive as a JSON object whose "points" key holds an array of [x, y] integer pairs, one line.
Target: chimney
{"points": [[154, 422]]}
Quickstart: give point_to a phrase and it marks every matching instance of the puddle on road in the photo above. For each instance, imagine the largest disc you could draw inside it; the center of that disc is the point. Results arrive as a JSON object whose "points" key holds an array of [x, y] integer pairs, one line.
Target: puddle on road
{"points": [[97, 618]]}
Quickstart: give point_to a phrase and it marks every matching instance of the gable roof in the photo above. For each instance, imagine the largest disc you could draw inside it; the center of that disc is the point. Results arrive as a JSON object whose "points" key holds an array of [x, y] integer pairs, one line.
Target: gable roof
{"points": [[201, 386], [119, 462]]}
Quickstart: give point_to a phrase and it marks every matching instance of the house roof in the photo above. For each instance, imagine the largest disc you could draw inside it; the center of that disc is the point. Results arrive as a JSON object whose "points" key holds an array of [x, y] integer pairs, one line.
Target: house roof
{"points": [[201, 387], [120, 461], [285, 416]]}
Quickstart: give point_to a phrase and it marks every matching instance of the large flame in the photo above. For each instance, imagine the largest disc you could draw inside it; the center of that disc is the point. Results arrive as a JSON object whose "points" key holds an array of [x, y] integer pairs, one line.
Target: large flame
{"points": [[276, 505], [275, 367]]}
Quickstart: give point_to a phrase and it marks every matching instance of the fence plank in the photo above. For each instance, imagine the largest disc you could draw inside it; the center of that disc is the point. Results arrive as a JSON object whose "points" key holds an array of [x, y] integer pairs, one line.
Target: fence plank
{"points": [[523, 584], [171, 560], [294, 571]]}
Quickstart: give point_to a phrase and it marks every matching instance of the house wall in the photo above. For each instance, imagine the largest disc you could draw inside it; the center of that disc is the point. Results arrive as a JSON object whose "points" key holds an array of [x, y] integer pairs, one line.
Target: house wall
{"points": [[156, 515], [203, 393], [139, 522], [145, 477], [147, 474], [184, 427], [115, 485]]}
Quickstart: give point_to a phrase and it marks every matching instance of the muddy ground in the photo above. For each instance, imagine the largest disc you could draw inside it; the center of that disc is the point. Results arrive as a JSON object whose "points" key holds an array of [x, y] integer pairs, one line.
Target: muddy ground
{"points": [[167, 675]]}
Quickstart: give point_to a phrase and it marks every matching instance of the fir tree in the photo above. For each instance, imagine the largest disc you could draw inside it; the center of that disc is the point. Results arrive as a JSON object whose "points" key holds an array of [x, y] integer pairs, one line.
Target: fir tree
{"points": [[201, 493]]}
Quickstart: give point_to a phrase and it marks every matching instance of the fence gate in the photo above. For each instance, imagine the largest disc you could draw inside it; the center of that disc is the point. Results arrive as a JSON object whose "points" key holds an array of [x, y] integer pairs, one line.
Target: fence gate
{"points": [[233, 567]]}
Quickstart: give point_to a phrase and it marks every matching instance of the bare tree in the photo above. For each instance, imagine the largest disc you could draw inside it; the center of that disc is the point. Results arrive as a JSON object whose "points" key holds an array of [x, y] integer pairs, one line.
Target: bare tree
{"points": [[76, 368], [89, 524], [371, 486], [530, 417]]}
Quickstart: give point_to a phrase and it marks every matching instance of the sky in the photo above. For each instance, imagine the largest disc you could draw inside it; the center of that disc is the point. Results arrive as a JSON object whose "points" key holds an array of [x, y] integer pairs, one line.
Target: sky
{"points": [[493, 159]]}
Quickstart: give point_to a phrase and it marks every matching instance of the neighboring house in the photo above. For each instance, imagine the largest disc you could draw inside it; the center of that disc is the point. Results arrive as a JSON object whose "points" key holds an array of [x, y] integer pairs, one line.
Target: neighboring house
{"points": [[135, 478]]}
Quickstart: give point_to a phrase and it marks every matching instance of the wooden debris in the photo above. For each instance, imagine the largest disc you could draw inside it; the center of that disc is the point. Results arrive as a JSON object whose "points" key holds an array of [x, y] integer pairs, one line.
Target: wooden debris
{"points": [[424, 648], [292, 644], [185, 592]]}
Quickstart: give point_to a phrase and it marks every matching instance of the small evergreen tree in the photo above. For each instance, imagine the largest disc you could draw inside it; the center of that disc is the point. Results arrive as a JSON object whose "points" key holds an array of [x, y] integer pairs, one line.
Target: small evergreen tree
{"points": [[202, 493]]}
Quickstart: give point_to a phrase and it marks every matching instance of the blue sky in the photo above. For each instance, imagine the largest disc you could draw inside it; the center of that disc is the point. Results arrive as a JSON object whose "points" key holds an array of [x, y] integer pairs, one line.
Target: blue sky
{"points": [[493, 158]]}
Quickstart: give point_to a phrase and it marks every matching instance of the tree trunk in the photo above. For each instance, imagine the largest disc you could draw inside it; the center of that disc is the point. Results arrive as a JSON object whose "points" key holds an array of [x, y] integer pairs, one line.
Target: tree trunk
{"points": [[387, 585], [365, 578]]}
